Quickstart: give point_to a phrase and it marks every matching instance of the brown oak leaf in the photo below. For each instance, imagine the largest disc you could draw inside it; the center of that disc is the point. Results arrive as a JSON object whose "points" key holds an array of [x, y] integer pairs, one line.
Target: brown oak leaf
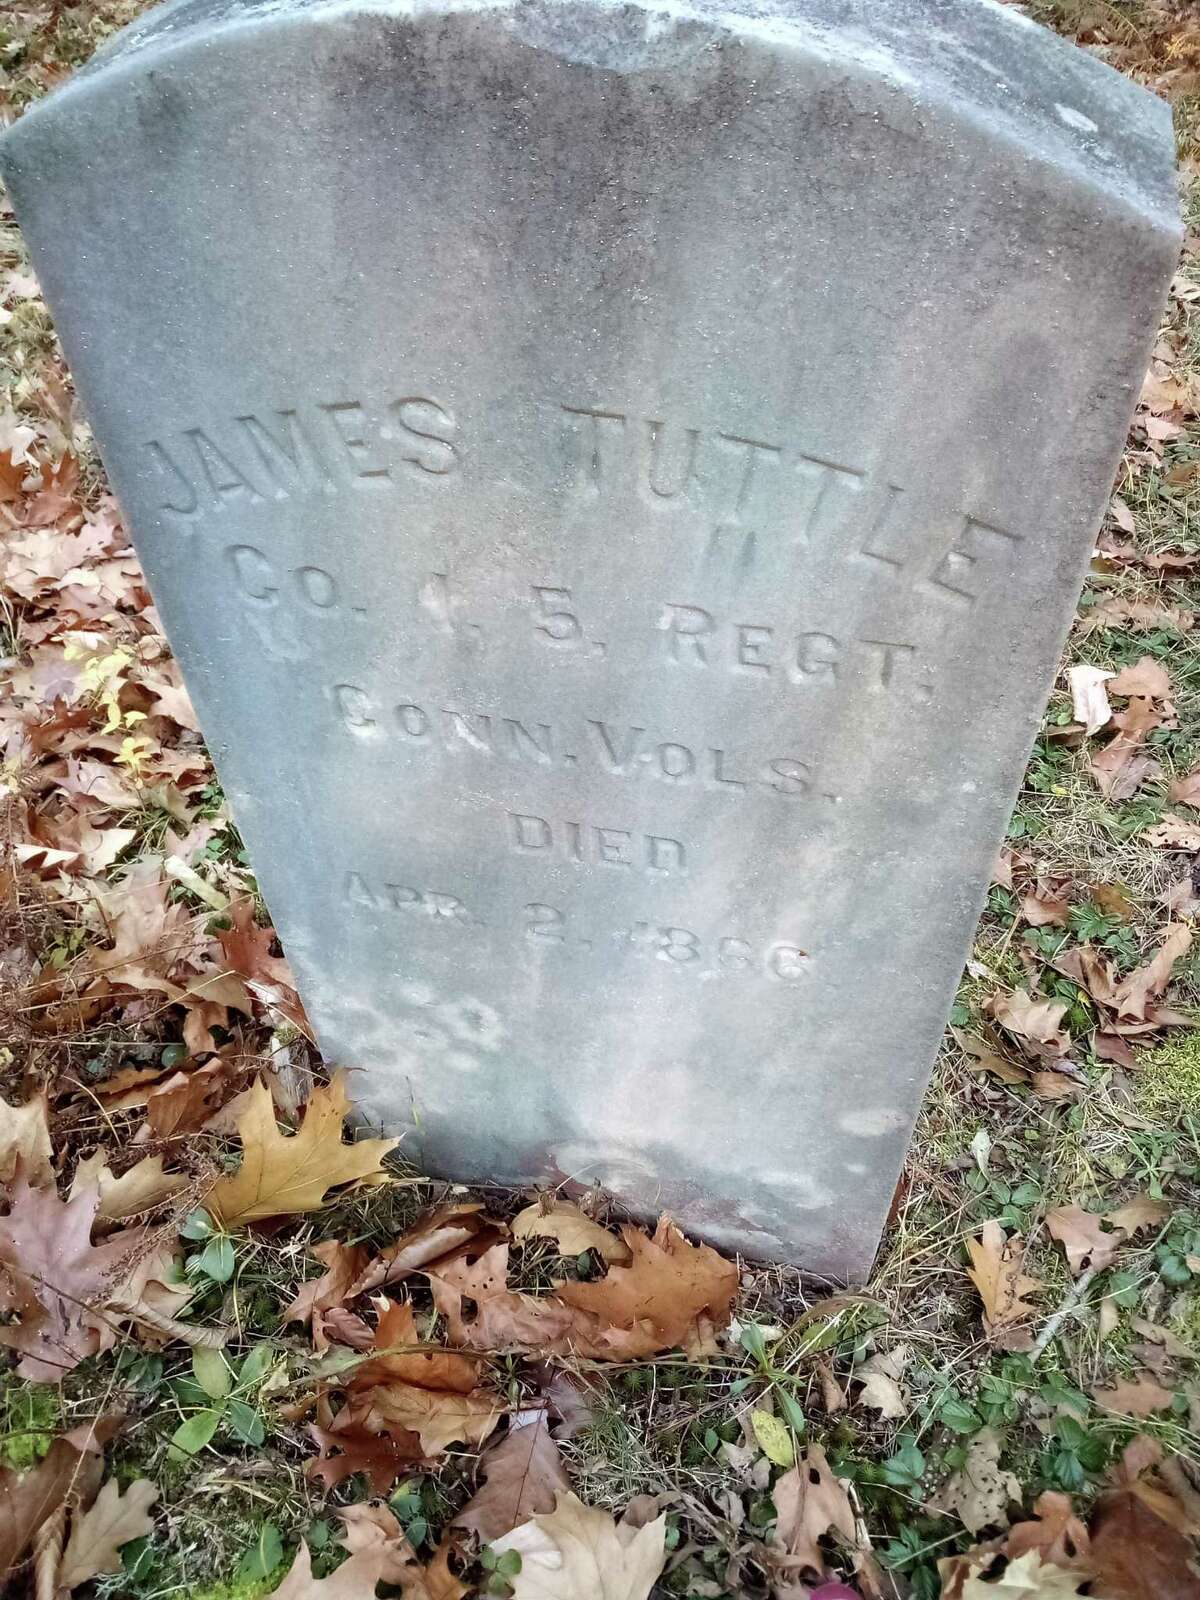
{"points": [[284, 1176], [1056, 1534], [810, 1502], [675, 1287], [429, 1239], [98, 1534], [571, 1229], [1081, 1234], [355, 1579], [997, 1271]]}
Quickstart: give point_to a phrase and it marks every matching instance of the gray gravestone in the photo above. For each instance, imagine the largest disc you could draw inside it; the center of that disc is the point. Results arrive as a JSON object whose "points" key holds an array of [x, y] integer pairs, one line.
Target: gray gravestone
{"points": [[616, 477]]}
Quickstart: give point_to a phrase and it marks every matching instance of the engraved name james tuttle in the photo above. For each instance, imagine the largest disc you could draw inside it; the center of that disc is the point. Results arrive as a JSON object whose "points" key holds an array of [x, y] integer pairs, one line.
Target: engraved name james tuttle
{"points": [[616, 477]]}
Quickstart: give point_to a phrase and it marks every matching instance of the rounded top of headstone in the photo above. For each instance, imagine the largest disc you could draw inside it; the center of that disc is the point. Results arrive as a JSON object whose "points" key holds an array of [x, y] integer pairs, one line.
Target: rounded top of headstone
{"points": [[991, 61]]}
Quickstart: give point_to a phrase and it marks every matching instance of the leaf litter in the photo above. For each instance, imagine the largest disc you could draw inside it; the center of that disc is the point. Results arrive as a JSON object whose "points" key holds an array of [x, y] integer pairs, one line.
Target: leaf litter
{"points": [[242, 1344]]}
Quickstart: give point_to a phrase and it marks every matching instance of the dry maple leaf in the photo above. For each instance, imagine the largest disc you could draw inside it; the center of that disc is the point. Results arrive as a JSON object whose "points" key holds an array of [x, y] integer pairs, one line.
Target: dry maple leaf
{"points": [[979, 1493], [401, 1357], [347, 1448], [355, 1579], [1173, 833], [523, 1475], [997, 1272], [580, 1553], [55, 1279], [809, 1503], [1185, 791], [97, 1536], [503, 1317], [284, 1176], [880, 1377], [1081, 1234], [185, 1101], [1139, 1212], [408, 1392], [25, 1137], [671, 1285], [572, 1230], [1146, 679], [438, 1417]]}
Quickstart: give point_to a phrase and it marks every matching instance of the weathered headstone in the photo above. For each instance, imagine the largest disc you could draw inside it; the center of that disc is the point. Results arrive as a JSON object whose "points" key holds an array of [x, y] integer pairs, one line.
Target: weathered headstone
{"points": [[616, 477]]}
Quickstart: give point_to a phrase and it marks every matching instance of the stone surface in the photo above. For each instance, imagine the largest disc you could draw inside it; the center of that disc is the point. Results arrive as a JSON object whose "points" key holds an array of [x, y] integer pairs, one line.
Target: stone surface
{"points": [[616, 478]]}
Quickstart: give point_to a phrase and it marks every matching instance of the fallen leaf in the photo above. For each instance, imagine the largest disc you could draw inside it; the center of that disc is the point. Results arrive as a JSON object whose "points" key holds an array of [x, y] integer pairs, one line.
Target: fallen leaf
{"points": [[1136, 1554], [672, 1285], [71, 1468], [1137, 1213], [1147, 680], [97, 1536], [429, 1239], [288, 1176], [355, 1579], [1134, 993], [809, 1503], [374, 1528], [1081, 1234], [399, 1356], [25, 1137], [1042, 909], [438, 1417], [348, 1448], [1139, 1397], [343, 1264], [143, 1187], [407, 1391], [572, 1229], [1089, 699], [1173, 833], [979, 1493], [503, 1318], [1036, 1022], [997, 1271], [1026, 1578], [1185, 791], [523, 1475], [880, 1377], [1144, 615], [55, 1279], [579, 1552], [1057, 1534], [185, 1101]]}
